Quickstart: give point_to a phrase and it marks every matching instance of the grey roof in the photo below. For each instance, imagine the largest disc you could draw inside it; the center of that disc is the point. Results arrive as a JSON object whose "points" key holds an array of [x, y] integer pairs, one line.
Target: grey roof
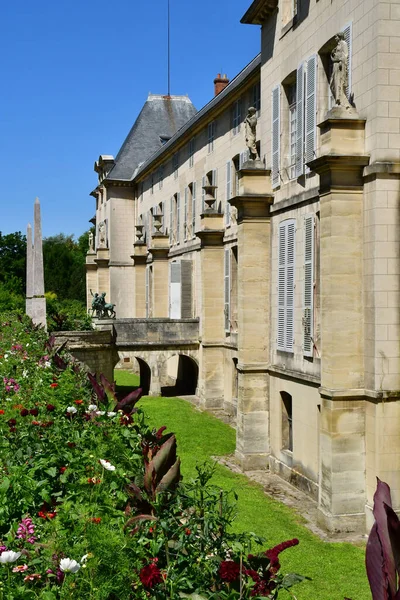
{"points": [[234, 84], [160, 118]]}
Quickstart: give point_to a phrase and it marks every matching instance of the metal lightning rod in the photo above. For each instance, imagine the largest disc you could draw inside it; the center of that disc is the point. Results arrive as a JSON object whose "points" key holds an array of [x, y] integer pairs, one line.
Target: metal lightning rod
{"points": [[169, 51]]}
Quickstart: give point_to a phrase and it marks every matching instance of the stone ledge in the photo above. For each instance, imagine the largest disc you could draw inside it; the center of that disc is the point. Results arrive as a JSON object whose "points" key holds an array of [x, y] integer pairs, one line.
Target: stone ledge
{"points": [[298, 375]]}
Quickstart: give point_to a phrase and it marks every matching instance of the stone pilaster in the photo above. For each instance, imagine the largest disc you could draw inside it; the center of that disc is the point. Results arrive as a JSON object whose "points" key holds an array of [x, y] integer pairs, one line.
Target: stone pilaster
{"points": [[139, 257], [159, 251], [103, 275], [254, 242], [342, 434], [91, 277], [211, 373]]}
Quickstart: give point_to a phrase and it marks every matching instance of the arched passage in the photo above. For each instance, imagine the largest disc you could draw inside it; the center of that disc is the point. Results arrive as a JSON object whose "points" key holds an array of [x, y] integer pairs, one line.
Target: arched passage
{"points": [[145, 376], [183, 373]]}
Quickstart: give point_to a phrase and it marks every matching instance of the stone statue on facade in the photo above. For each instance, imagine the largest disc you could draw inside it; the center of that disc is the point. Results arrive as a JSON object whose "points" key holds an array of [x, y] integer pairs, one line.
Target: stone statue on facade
{"points": [[339, 81], [102, 235], [100, 308], [91, 243], [251, 132]]}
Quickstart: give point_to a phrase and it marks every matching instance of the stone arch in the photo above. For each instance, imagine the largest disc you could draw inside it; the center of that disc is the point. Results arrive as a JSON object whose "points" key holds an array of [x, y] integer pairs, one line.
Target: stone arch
{"points": [[182, 372], [145, 375]]}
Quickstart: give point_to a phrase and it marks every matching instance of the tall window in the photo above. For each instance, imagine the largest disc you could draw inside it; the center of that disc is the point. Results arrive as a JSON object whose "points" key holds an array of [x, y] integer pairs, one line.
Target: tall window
{"points": [[175, 164], [308, 298], [256, 100], [191, 152], [192, 188], [287, 421], [160, 176], [211, 136], [152, 183], [174, 220], [228, 193], [286, 285], [276, 136], [236, 116], [292, 129]]}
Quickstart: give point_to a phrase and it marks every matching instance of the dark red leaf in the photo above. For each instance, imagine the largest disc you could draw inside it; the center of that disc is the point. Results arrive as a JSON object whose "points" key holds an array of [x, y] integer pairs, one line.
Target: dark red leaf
{"points": [[394, 534], [374, 565], [381, 497], [99, 390]]}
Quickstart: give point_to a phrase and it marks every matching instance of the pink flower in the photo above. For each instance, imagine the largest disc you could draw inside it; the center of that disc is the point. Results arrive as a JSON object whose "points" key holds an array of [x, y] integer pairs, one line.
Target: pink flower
{"points": [[20, 569]]}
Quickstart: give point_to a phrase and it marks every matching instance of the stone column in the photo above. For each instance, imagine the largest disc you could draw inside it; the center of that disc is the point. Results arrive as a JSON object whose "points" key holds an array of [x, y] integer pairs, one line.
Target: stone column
{"points": [[342, 434], [212, 334], [254, 272], [91, 277], [36, 302], [160, 250], [139, 257]]}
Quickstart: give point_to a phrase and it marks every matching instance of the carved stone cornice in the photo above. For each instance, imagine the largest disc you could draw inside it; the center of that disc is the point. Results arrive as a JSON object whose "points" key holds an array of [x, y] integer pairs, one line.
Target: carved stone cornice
{"points": [[211, 237], [259, 11], [339, 172], [252, 207], [140, 253]]}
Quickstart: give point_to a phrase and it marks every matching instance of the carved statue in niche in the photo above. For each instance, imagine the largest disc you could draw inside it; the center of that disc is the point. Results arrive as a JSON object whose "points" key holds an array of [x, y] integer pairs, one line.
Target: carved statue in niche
{"points": [[91, 241], [102, 235], [340, 74], [250, 133]]}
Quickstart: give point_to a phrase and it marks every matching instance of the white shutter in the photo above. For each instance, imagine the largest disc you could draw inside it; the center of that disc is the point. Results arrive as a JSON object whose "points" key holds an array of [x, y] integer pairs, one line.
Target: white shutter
{"points": [[194, 208], [311, 109], [290, 279], [175, 291], [147, 292], [228, 193], [281, 286], [215, 181], [171, 202], [178, 218], [163, 220], [243, 158], [348, 37], [276, 134], [227, 290], [203, 193], [308, 317], [300, 121], [286, 285], [185, 218]]}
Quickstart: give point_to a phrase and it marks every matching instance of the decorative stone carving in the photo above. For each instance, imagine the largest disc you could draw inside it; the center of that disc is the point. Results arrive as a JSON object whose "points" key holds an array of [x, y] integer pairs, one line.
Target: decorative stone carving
{"points": [[102, 235], [340, 74], [250, 133], [101, 308]]}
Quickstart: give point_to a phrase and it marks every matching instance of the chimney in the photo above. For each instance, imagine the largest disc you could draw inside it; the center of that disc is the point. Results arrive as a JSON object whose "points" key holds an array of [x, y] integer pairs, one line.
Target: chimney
{"points": [[220, 83]]}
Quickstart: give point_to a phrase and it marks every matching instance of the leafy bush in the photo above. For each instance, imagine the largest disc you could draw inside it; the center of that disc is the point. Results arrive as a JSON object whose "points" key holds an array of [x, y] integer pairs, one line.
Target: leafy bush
{"points": [[66, 315], [91, 499]]}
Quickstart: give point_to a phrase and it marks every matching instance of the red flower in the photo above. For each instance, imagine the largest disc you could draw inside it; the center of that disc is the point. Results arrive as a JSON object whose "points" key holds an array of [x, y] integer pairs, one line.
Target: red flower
{"points": [[2, 412], [50, 407], [34, 412], [63, 469], [11, 422], [187, 531], [94, 480], [78, 401], [229, 570], [35, 422], [24, 412], [71, 444], [54, 385], [96, 520], [150, 575], [13, 429], [42, 514]]}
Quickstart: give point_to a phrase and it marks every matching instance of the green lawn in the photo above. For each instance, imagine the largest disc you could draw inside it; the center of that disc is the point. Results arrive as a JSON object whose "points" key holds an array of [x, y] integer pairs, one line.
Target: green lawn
{"points": [[337, 570]]}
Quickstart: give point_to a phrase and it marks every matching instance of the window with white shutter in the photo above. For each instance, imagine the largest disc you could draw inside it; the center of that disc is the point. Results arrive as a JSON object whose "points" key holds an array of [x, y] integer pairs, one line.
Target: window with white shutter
{"points": [[348, 32], [300, 121], [236, 116], [308, 301], [203, 193], [171, 220], [276, 135], [178, 218], [175, 291], [214, 181], [228, 193], [227, 290], [186, 289], [286, 285], [193, 208], [311, 109], [186, 215]]}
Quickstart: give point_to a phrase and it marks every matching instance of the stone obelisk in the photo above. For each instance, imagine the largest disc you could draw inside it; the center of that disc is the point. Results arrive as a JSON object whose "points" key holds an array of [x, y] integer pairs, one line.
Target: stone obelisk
{"points": [[35, 300]]}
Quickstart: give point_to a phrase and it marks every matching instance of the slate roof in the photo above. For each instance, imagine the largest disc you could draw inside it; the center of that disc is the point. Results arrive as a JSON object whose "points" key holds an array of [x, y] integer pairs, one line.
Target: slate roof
{"points": [[160, 118], [235, 83]]}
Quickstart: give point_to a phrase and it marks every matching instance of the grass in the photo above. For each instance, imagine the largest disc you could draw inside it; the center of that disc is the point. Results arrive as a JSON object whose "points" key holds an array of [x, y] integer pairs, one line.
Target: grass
{"points": [[336, 569]]}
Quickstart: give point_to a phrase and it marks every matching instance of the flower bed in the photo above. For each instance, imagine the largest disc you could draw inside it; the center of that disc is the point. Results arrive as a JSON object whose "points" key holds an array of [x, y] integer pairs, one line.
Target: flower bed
{"points": [[91, 499]]}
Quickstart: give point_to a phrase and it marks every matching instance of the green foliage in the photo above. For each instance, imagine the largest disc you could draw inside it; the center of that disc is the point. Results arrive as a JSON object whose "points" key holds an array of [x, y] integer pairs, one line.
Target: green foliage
{"points": [[13, 262], [68, 471], [67, 315], [64, 266]]}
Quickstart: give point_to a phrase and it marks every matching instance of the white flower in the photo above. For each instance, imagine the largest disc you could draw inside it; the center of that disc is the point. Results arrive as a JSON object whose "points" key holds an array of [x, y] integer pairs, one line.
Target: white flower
{"points": [[6, 356], [67, 565], [84, 558], [27, 344], [47, 364], [9, 557], [92, 407], [100, 413], [111, 414], [107, 465], [71, 410], [24, 373]]}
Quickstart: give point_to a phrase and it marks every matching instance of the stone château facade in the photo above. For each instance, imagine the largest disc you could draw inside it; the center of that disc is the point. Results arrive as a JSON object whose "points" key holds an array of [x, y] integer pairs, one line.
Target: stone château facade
{"points": [[292, 269]]}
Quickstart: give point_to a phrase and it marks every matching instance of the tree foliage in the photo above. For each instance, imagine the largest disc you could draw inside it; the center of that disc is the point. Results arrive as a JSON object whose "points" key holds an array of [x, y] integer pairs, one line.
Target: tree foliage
{"points": [[13, 262]]}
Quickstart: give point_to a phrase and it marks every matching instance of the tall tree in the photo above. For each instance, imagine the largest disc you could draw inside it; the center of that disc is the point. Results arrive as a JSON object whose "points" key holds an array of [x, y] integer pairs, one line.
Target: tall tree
{"points": [[13, 261]]}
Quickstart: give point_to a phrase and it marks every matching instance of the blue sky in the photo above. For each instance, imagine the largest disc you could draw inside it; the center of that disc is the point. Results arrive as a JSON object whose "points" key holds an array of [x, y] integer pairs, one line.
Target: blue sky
{"points": [[74, 77]]}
